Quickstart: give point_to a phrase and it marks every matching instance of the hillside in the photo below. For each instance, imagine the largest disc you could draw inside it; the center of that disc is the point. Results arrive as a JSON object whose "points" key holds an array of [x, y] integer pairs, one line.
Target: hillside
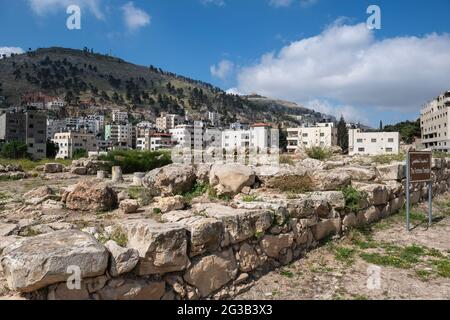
{"points": [[84, 78]]}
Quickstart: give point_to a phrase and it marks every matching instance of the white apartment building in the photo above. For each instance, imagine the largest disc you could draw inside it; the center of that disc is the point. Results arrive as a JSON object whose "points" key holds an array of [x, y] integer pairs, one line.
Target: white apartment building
{"points": [[197, 136], [168, 122], [143, 136], [55, 104], [119, 135], [214, 118], [259, 136], [161, 141], [69, 142], [120, 117], [322, 135], [435, 123], [373, 143]]}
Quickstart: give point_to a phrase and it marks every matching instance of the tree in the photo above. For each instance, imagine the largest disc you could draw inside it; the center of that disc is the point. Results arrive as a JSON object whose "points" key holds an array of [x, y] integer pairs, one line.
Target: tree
{"points": [[14, 150], [381, 125], [79, 153], [283, 139], [52, 149], [342, 133]]}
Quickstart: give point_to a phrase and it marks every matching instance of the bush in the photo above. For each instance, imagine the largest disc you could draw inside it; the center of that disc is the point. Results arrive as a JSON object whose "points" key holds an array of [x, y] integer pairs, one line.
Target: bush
{"points": [[319, 153], [388, 158], [14, 150], [28, 164], [79, 153], [137, 161], [353, 198]]}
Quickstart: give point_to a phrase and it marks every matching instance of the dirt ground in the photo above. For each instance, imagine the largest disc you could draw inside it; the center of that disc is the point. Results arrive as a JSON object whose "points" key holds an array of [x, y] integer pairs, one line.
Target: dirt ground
{"points": [[410, 265]]}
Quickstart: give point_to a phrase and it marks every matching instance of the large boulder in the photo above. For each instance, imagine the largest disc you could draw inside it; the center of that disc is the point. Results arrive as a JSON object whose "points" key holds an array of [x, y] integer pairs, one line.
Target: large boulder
{"points": [[91, 196], [168, 204], [122, 260], [162, 247], [230, 179], [326, 228], [206, 234], [132, 289], [329, 180], [360, 173], [240, 224], [389, 172], [210, 273], [273, 245], [170, 180], [38, 195], [37, 262], [129, 206], [248, 258], [53, 168], [377, 194], [8, 229]]}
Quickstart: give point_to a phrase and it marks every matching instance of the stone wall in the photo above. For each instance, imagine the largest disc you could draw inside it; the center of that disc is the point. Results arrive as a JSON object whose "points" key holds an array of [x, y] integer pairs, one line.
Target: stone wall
{"points": [[213, 249]]}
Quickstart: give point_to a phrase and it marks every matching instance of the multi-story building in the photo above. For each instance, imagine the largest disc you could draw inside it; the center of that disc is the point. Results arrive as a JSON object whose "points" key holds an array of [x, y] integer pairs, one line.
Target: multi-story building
{"points": [[55, 104], [120, 136], [322, 135], [168, 122], [197, 136], [259, 136], [120, 117], [214, 118], [143, 135], [29, 127], [435, 123], [70, 142], [161, 141], [373, 143]]}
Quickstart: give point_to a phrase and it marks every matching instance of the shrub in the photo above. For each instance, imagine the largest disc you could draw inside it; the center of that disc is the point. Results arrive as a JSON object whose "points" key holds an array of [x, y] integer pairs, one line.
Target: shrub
{"points": [[319, 153], [199, 189], [14, 150], [353, 198], [285, 159], [79, 153], [388, 158], [137, 161]]}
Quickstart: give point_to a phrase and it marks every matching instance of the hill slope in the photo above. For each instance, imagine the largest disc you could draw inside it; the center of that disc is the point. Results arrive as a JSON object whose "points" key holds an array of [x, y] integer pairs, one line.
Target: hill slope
{"points": [[82, 77]]}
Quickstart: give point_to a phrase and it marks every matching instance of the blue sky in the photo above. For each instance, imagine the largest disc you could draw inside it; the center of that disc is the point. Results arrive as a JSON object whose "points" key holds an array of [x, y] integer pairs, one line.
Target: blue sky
{"points": [[315, 52]]}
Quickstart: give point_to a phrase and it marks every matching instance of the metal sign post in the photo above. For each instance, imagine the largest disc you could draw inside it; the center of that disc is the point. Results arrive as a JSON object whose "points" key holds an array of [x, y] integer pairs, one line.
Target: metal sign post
{"points": [[418, 169]]}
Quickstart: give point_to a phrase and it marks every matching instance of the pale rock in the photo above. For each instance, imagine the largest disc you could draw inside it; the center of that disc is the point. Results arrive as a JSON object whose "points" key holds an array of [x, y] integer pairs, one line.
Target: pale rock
{"points": [[53, 168], [394, 172], [8, 229], [37, 262], [170, 180], [129, 206], [168, 204], [162, 247], [212, 272], [91, 196], [134, 289], [329, 180], [230, 179], [273, 245], [326, 228], [248, 258], [122, 260]]}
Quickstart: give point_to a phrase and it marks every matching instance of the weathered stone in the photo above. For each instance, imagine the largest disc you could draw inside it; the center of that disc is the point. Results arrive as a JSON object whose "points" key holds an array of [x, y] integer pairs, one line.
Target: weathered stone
{"points": [[53, 168], [239, 224], [273, 245], [162, 247], [396, 204], [37, 262], [202, 172], [62, 292], [122, 260], [101, 175], [349, 221], [335, 199], [360, 173], [117, 176], [133, 289], [168, 204], [329, 180], [229, 179], [91, 196], [8, 229], [170, 180], [378, 194], [372, 214], [129, 206], [313, 164], [138, 177], [326, 228], [210, 273], [81, 171], [395, 171], [415, 197], [6, 241], [248, 258]]}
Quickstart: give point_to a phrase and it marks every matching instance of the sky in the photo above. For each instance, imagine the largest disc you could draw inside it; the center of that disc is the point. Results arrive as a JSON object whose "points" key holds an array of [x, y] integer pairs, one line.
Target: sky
{"points": [[318, 53]]}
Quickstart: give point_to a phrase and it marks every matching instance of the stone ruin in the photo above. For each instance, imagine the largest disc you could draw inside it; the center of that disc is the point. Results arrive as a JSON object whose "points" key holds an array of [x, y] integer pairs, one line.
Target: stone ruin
{"points": [[175, 249]]}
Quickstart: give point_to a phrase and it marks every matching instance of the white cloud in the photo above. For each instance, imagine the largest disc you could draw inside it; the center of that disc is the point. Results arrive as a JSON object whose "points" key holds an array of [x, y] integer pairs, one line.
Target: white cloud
{"points": [[9, 50], [287, 3], [223, 70], [348, 66], [219, 3], [43, 7], [134, 17], [234, 91], [350, 113], [280, 3]]}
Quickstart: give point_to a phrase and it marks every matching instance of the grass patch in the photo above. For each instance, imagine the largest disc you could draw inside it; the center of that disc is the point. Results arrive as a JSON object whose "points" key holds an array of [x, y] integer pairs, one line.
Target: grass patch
{"points": [[29, 165], [344, 254], [287, 273], [319, 153], [286, 159], [199, 189], [142, 195], [157, 211], [252, 198], [120, 237], [292, 184], [388, 158], [443, 267]]}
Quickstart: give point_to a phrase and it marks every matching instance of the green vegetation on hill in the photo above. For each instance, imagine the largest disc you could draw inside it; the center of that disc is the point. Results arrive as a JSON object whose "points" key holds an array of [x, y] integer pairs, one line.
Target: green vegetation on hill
{"points": [[409, 130], [138, 161], [84, 77]]}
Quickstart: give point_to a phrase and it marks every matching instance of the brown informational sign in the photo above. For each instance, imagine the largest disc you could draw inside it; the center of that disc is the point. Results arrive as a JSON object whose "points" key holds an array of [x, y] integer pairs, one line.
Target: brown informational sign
{"points": [[420, 166]]}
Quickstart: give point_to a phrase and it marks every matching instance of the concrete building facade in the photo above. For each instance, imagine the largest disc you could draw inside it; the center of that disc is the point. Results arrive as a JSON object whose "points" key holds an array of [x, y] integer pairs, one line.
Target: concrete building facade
{"points": [[70, 142], [373, 143], [322, 135], [435, 123]]}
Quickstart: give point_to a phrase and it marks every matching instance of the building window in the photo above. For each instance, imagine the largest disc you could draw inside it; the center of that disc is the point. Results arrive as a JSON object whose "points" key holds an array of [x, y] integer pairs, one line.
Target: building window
{"points": [[389, 150], [391, 140], [305, 135], [359, 140], [361, 149], [374, 140]]}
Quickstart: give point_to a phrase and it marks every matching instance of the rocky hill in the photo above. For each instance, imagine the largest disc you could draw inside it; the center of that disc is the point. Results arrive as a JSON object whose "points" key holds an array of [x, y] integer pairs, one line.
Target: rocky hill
{"points": [[84, 78]]}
